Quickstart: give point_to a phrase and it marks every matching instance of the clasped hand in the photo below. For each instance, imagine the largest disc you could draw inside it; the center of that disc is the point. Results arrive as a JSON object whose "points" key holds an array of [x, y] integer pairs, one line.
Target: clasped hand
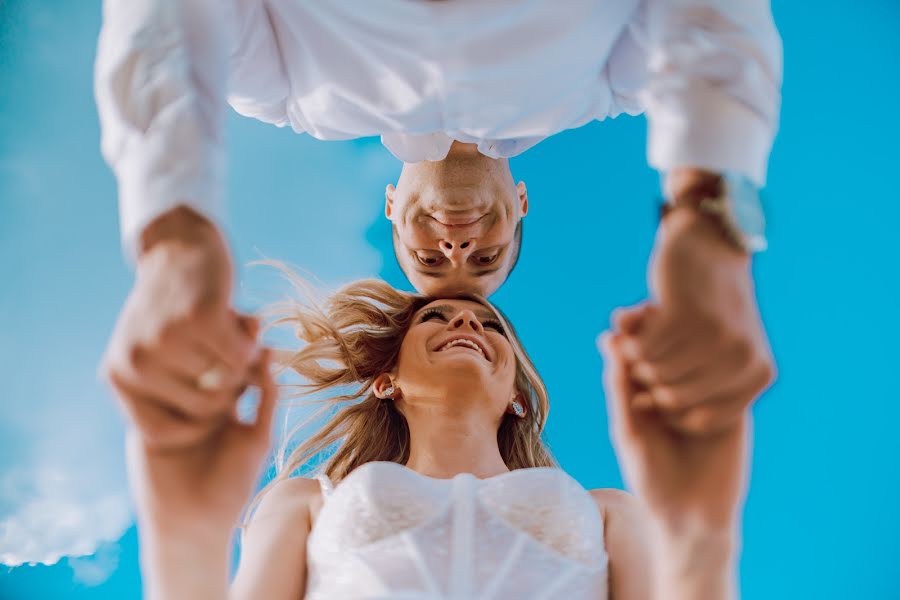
{"points": [[681, 370]]}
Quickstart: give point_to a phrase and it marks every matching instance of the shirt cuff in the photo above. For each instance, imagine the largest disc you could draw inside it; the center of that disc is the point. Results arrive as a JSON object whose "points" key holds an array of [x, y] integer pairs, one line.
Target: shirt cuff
{"points": [[700, 126], [165, 173]]}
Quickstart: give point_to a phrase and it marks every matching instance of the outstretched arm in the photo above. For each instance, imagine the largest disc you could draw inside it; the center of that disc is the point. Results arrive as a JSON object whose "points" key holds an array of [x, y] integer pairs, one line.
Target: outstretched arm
{"points": [[713, 90], [273, 549], [712, 95], [160, 85]]}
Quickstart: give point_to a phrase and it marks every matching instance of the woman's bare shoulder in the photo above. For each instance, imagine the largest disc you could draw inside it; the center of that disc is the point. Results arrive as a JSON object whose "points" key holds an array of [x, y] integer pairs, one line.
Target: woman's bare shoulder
{"points": [[289, 499], [613, 503]]}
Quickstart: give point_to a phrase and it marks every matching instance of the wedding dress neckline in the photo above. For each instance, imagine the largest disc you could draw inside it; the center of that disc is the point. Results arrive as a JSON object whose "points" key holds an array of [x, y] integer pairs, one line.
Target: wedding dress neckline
{"points": [[387, 531]]}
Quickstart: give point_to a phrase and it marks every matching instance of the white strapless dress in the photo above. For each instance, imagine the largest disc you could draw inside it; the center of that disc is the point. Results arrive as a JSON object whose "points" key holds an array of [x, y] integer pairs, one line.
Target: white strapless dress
{"points": [[389, 533]]}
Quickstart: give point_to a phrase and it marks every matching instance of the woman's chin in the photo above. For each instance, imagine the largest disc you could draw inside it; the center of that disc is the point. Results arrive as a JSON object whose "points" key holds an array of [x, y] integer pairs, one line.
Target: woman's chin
{"points": [[463, 363]]}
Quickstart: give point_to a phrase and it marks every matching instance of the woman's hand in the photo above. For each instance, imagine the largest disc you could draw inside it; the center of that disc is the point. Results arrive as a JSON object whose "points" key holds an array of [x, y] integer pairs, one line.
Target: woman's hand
{"points": [[193, 478], [689, 481], [693, 485]]}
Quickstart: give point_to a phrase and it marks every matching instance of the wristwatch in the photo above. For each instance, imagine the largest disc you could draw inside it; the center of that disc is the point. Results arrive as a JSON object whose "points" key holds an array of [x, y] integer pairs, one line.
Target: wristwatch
{"points": [[732, 201]]}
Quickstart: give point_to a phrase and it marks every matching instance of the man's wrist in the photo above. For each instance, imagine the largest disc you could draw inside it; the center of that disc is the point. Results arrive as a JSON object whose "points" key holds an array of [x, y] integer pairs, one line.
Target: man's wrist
{"points": [[686, 184], [180, 225]]}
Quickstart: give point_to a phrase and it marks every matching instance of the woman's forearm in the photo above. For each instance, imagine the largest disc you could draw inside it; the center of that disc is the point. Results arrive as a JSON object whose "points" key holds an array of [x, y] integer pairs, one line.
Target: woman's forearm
{"points": [[696, 566], [188, 565]]}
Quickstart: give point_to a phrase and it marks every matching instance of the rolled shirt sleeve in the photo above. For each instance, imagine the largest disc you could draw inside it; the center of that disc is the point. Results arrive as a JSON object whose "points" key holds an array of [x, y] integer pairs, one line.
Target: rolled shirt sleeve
{"points": [[160, 80], [713, 84]]}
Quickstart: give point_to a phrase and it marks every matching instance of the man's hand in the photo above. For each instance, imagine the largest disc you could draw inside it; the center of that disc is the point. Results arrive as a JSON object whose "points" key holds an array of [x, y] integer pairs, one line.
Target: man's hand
{"points": [[177, 325], [699, 349]]}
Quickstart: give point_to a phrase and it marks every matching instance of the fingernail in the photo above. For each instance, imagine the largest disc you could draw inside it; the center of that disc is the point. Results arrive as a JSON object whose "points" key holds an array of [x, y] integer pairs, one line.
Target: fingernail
{"points": [[604, 342], [629, 348]]}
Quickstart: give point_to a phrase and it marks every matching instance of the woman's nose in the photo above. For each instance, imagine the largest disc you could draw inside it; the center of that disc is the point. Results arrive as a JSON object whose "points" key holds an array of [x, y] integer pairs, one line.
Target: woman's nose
{"points": [[466, 320]]}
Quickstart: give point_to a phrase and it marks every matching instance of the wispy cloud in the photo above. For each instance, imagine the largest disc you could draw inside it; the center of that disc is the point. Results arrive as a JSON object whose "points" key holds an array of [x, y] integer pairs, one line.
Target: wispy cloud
{"points": [[55, 510], [63, 491]]}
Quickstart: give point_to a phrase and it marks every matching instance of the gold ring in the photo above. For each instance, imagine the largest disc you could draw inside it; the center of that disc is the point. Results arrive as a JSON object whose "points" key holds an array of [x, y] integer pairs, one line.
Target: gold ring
{"points": [[212, 378]]}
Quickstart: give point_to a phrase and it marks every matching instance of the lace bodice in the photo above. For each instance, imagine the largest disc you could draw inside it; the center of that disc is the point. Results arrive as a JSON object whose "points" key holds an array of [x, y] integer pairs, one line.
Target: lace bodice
{"points": [[387, 532]]}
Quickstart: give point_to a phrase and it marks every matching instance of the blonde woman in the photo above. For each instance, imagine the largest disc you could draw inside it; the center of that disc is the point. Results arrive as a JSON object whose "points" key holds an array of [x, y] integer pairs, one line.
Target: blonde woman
{"points": [[438, 484]]}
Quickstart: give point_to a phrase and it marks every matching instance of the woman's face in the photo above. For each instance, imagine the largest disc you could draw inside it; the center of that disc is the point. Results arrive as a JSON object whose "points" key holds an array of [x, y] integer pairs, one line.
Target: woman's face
{"points": [[457, 349]]}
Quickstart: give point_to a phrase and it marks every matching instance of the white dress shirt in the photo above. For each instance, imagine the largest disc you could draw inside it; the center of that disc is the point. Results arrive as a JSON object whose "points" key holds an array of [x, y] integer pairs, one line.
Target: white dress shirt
{"points": [[503, 74]]}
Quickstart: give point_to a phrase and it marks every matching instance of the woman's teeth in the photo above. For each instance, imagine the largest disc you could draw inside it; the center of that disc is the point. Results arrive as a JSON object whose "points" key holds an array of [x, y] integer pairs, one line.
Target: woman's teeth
{"points": [[462, 342]]}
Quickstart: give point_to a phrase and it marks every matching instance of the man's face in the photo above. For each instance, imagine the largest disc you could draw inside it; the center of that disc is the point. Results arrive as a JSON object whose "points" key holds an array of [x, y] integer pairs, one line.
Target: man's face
{"points": [[455, 240]]}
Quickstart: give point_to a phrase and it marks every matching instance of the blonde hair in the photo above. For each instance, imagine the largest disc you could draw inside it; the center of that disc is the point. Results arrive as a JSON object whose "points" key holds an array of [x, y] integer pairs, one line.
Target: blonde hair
{"points": [[351, 338]]}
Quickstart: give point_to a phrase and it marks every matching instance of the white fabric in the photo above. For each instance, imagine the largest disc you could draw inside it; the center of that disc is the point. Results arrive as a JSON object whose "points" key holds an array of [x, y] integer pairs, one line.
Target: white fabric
{"points": [[387, 532], [503, 74]]}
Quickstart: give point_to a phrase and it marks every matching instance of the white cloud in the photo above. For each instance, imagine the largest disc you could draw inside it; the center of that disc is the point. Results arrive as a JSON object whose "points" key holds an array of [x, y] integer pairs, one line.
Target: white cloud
{"points": [[95, 569], [53, 513]]}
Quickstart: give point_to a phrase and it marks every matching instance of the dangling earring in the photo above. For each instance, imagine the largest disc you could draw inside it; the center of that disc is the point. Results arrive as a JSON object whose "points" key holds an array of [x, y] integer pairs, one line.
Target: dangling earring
{"points": [[518, 408]]}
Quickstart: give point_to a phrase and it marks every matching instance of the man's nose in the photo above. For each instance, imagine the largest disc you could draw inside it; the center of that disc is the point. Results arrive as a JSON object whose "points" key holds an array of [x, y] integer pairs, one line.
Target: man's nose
{"points": [[465, 321], [457, 251]]}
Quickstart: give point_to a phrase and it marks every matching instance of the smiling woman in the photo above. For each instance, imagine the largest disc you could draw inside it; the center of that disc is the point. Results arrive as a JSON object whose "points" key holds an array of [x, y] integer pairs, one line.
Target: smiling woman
{"points": [[369, 329], [440, 432]]}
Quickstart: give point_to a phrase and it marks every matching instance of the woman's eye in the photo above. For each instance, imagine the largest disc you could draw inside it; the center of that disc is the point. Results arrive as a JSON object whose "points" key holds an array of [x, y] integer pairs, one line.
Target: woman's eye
{"points": [[495, 325], [433, 314], [487, 259]]}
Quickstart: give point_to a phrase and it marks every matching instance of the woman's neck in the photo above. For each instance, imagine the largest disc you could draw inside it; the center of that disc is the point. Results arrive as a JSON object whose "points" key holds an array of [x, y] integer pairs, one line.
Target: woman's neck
{"points": [[446, 441]]}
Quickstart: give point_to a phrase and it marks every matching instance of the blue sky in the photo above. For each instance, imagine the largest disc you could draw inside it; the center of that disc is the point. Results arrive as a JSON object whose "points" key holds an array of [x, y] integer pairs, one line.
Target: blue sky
{"points": [[821, 519]]}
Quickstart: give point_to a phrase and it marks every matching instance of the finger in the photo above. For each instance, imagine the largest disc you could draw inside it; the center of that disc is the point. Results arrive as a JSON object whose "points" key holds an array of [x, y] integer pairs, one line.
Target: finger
{"points": [[160, 426], [189, 361], [262, 378], [156, 381], [659, 336], [710, 417], [629, 320], [249, 324], [617, 386], [729, 376], [226, 340], [671, 367]]}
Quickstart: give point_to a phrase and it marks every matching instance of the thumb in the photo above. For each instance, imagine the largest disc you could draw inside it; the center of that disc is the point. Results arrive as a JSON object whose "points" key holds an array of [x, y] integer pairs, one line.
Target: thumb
{"points": [[629, 321], [617, 387], [247, 323], [261, 377]]}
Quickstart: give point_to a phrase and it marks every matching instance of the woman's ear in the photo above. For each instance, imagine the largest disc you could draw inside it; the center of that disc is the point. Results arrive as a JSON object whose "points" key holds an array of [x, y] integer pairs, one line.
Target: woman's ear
{"points": [[517, 405], [384, 387]]}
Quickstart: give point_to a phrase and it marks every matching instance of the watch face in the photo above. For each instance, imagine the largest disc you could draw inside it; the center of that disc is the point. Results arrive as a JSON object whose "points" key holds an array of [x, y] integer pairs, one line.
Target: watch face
{"points": [[747, 211]]}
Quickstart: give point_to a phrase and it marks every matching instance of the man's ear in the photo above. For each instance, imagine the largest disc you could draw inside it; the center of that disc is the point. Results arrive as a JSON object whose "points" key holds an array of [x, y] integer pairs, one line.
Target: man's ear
{"points": [[389, 200], [523, 198], [384, 387]]}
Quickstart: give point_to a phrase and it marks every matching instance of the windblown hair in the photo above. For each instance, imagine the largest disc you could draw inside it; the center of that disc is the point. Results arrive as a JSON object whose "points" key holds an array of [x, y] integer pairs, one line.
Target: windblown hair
{"points": [[352, 337]]}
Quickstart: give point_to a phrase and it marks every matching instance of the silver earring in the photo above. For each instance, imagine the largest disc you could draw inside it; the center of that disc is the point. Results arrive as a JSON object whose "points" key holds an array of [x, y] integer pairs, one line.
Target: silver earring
{"points": [[518, 408], [389, 391]]}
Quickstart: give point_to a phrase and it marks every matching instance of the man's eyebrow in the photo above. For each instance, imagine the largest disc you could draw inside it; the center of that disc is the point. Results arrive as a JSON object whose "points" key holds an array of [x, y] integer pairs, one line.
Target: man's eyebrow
{"points": [[427, 273], [487, 271]]}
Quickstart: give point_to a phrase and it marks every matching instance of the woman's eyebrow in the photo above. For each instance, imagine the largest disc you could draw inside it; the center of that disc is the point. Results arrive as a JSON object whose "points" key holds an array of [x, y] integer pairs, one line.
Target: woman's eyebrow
{"points": [[481, 313]]}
